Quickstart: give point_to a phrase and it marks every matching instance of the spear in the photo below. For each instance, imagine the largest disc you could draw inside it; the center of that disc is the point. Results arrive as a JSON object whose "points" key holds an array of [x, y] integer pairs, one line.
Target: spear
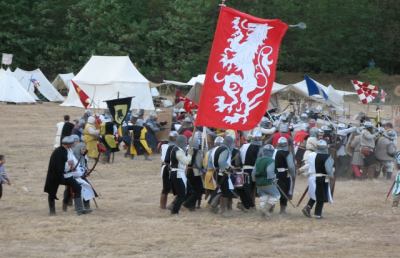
{"points": [[302, 197], [390, 190], [284, 195]]}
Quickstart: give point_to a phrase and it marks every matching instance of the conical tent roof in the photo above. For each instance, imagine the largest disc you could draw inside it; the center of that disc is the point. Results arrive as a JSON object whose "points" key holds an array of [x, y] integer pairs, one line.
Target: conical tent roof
{"points": [[45, 88], [62, 80], [110, 77], [12, 91]]}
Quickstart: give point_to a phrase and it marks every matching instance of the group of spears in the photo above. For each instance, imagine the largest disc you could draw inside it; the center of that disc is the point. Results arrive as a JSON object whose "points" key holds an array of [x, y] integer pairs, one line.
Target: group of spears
{"points": [[224, 165]]}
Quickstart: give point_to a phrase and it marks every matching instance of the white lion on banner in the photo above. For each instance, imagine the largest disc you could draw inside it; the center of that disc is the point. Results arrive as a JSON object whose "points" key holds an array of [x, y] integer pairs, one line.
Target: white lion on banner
{"points": [[247, 63]]}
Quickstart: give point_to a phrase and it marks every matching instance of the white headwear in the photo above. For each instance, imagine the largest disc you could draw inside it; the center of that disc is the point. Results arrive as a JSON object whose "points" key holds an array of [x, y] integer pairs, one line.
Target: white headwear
{"points": [[173, 134], [91, 120]]}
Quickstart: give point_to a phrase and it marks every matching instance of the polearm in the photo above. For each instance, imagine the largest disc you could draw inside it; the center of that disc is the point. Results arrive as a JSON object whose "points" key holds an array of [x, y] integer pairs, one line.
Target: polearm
{"points": [[390, 190], [284, 195], [302, 197], [334, 158]]}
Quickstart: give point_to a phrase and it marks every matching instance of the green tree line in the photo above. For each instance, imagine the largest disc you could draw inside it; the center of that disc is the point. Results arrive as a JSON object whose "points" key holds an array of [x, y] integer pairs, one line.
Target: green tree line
{"points": [[171, 39]]}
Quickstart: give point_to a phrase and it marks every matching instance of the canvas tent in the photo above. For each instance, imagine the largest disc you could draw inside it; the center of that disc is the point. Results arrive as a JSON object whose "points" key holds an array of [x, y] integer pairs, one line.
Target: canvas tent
{"points": [[45, 88], [109, 77], [12, 91], [335, 97], [61, 82]]}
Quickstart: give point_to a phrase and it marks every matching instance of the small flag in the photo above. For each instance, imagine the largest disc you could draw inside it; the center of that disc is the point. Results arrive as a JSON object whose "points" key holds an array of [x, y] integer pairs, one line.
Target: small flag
{"points": [[365, 91], [6, 59], [314, 89], [383, 96], [82, 95], [188, 104], [35, 82]]}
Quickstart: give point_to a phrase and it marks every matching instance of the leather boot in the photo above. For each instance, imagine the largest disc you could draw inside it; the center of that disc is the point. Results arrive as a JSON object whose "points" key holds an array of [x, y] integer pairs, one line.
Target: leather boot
{"points": [[198, 205], [65, 206], [307, 211], [230, 201], [52, 206], [79, 206], [86, 205], [171, 205], [271, 209], [265, 212], [223, 204], [214, 203], [163, 201], [282, 210]]}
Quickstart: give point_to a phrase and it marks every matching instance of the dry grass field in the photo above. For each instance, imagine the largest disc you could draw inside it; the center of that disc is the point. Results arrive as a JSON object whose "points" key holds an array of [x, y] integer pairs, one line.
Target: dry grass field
{"points": [[128, 222]]}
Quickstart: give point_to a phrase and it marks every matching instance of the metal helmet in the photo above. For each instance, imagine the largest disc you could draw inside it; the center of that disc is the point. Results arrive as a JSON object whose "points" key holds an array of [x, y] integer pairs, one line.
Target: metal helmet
{"points": [[322, 146], [368, 124], [341, 126], [229, 141], [218, 141], [181, 141], [282, 142], [194, 143], [266, 151], [304, 116], [390, 134]]}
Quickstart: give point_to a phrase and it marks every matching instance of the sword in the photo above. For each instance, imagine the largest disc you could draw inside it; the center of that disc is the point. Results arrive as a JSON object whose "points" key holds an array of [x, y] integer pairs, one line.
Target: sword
{"points": [[302, 197], [284, 195]]}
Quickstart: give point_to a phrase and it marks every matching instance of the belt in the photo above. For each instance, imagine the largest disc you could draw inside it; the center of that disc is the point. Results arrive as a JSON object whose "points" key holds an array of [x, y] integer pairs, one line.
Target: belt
{"points": [[248, 167], [281, 169], [320, 175]]}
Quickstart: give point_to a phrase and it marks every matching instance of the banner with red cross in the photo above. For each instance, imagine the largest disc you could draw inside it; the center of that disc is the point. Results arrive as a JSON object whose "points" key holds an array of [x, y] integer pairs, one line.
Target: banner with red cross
{"points": [[365, 91]]}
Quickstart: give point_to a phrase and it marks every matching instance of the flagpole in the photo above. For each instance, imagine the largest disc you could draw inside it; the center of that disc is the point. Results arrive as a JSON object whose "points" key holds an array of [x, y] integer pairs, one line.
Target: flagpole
{"points": [[29, 85]]}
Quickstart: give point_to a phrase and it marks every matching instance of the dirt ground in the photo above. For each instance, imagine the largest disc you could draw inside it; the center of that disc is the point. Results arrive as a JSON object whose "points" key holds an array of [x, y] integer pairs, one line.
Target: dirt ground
{"points": [[128, 222]]}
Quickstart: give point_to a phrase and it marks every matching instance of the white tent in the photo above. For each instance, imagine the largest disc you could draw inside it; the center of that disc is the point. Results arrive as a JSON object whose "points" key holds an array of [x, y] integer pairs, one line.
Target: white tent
{"points": [[45, 87], [301, 88], [12, 91], [109, 77], [61, 82], [335, 97]]}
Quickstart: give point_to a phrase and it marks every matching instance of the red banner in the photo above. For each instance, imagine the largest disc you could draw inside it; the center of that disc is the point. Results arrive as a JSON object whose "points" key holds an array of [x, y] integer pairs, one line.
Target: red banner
{"points": [[241, 70], [82, 95]]}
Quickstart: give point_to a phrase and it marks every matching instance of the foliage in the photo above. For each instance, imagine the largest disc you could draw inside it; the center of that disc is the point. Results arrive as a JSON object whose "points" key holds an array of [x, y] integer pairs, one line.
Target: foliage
{"points": [[371, 75], [172, 39]]}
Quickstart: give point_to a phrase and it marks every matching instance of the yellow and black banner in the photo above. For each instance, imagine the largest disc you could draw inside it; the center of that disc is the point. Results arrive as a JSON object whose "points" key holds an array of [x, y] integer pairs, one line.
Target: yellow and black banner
{"points": [[119, 108]]}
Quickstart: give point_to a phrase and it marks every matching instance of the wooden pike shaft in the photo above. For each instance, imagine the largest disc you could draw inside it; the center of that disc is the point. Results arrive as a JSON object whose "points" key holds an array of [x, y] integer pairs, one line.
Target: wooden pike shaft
{"points": [[390, 190], [302, 197]]}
